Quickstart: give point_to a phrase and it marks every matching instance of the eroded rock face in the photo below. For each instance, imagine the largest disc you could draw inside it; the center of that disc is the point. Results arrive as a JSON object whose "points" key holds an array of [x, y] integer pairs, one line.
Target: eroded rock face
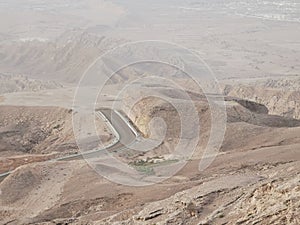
{"points": [[267, 197], [284, 103], [9, 83], [275, 202], [253, 106], [255, 179], [65, 60], [176, 108], [238, 110], [147, 109], [35, 129], [32, 189]]}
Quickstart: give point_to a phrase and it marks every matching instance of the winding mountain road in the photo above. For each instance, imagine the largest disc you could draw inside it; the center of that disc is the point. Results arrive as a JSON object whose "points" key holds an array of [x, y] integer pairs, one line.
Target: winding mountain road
{"points": [[125, 135]]}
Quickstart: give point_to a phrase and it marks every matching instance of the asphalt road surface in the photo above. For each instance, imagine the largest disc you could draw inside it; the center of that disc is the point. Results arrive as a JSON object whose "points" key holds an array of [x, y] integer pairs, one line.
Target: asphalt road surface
{"points": [[125, 135]]}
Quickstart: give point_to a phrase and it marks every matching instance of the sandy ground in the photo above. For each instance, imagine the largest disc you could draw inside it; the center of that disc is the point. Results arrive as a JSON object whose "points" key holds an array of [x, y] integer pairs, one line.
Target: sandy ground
{"points": [[255, 177], [255, 158], [86, 197], [64, 97]]}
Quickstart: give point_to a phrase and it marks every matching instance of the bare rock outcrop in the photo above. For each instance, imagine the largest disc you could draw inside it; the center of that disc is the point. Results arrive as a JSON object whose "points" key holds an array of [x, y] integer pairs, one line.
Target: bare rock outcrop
{"points": [[10, 83], [281, 96]]}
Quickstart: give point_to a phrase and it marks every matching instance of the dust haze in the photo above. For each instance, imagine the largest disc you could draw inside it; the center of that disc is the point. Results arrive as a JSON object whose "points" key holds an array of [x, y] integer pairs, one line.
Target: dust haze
{"points": [[109, 107]]}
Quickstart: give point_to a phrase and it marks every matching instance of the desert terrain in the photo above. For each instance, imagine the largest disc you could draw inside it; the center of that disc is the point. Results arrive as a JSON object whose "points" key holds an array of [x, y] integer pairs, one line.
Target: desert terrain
{"points": [[104, 150], [257, 165]]}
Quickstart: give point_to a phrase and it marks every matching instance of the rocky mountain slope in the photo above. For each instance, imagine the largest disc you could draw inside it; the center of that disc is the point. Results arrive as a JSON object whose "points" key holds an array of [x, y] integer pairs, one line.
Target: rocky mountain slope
{"points": [[252, 199], [10, 83], [64, 59], [35, 134], [281, 96], [35, 129], [258, 164]]}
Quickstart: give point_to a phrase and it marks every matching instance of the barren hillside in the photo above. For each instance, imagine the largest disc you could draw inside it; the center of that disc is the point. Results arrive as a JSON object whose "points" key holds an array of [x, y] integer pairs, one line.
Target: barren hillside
{"points": [[10, 83], [281, 96], [64, 59], [36, 129], [34, 134], [257, 164], [117, 112]]}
